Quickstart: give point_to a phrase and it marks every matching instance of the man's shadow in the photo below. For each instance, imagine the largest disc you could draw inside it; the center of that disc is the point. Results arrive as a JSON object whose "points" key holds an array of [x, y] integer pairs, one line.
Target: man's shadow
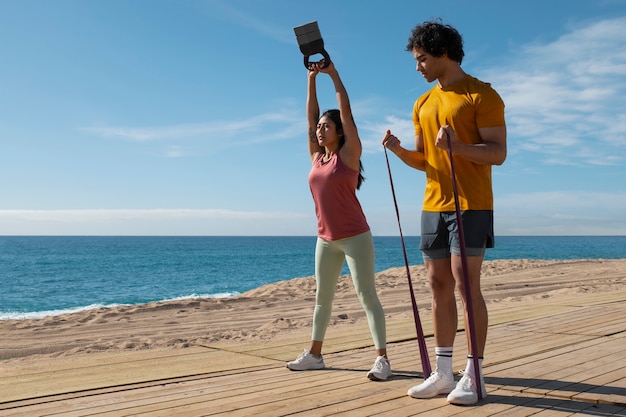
{"points": [[562, 404]]}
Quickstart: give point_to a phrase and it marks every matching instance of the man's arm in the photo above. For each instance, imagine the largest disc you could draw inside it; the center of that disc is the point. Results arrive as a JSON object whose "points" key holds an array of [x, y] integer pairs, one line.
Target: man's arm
{"points": [[492, 150], [413, 158]]}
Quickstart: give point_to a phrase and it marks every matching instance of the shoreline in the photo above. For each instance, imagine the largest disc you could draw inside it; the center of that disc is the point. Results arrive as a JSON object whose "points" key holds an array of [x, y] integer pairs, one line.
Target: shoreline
{"points": [[285, 309], [34, 315], [42, 314]]}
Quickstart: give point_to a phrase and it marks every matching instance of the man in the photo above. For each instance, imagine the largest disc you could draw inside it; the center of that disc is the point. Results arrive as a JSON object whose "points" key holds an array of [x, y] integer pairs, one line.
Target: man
{"points": [[469, 115]]}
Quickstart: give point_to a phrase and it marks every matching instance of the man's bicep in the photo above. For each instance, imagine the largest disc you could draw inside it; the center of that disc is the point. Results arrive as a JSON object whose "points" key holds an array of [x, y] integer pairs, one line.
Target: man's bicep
{"points": [[495, 135], [419, 143], [495, 140]]}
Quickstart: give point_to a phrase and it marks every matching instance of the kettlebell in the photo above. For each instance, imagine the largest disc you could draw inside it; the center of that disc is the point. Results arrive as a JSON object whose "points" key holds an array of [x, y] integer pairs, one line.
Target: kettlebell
{"points": [[310, 42]]}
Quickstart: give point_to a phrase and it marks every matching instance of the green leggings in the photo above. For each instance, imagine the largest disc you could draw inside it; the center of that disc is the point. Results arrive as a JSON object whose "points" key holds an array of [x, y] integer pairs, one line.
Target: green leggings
{"points": [[358, 252]]}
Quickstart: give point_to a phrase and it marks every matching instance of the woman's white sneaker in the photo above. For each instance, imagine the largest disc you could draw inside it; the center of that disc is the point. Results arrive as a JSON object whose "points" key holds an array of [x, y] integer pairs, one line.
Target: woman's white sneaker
{"points": [[306, 361], [381, 369]]}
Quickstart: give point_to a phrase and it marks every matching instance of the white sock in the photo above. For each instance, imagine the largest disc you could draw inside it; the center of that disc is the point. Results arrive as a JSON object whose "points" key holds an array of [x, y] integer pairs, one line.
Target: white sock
{"points": [[469, 368], [444, 360]]}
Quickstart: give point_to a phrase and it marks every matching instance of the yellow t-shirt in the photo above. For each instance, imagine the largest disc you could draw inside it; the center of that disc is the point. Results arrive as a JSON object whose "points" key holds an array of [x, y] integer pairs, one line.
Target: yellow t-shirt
{"points": [[466, 105]]}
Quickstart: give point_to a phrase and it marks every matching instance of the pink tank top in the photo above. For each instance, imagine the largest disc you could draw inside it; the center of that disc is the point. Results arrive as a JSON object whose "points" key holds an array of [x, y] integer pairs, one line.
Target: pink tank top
{"points": [[333, 186]]}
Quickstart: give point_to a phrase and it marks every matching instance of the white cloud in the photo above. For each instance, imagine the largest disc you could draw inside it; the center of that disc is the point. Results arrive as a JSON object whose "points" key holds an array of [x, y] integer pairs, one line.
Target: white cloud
{"points": [[568, 93], [561, 213], [372, 132], [540, 202], [277, 33], [155, 222], [72, 216], [258, 128]]}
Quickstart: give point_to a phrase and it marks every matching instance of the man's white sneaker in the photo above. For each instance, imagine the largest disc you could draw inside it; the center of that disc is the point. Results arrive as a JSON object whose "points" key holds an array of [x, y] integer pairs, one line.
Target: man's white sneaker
{"points": [[381, 369], [436, 384], [306, 361], [465, 391]]}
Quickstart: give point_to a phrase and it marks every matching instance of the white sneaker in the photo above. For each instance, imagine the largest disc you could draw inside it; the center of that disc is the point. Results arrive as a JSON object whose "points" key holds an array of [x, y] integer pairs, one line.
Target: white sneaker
{"points": [[381, 369], [306, 361], [436, 384], [465, 391]]}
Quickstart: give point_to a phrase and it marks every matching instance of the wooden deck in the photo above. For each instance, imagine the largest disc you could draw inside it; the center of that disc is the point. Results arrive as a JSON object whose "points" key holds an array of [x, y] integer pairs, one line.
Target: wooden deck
{"points": [[546, 360]]}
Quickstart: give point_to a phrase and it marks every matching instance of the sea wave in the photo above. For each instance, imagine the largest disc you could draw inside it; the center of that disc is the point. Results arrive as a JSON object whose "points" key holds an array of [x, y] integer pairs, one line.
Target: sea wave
{"points": [[20, 315]]}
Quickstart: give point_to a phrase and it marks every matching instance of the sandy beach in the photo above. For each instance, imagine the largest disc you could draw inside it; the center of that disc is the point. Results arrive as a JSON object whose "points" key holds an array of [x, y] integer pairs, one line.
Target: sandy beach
{"points": [[284, 309]]}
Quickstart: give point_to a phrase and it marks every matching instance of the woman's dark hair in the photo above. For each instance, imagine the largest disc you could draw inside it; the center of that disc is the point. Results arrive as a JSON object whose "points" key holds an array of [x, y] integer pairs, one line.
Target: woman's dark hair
{"points": [[437, 39], [335, 116]]}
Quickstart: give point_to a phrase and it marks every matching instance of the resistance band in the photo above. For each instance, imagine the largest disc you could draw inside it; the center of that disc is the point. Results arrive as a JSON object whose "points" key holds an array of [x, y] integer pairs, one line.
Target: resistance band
{"points": [[466, 280], [421, 340]]}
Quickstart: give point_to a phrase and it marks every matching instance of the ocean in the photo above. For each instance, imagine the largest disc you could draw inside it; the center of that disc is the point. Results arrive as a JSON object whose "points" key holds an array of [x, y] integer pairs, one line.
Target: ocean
{"points": [[49, 275]]}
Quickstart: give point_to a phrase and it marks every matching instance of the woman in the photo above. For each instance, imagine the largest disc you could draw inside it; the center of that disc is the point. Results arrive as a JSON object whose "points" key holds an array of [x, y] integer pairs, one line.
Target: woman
{"points": [[343, 232]]}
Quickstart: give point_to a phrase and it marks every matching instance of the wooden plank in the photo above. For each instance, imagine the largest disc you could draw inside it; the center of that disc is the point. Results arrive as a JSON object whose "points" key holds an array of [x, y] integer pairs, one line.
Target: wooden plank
{"points": [[190, 398], [118, 369], [532, 366]]}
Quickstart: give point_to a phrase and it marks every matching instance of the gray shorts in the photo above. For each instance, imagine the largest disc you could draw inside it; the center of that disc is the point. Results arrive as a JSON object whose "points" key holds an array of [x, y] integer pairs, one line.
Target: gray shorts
{"points": [[440, 236]]}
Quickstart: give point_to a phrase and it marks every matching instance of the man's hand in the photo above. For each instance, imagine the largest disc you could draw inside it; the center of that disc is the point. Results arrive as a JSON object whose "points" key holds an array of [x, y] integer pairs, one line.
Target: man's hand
{"points": [[390, 141], [445, 137]]}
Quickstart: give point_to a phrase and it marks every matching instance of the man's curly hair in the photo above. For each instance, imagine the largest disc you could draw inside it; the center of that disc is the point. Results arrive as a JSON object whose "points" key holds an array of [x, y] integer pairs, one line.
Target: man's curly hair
{"points": [[437, 39]]}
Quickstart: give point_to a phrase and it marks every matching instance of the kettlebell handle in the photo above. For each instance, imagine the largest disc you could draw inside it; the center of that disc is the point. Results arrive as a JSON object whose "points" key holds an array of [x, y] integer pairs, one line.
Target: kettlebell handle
{"points": [[326, 60]]}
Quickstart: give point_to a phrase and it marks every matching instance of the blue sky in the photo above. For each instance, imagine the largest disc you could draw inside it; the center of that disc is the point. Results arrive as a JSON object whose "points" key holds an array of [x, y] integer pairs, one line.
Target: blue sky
{"points": [[153, 117]]}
